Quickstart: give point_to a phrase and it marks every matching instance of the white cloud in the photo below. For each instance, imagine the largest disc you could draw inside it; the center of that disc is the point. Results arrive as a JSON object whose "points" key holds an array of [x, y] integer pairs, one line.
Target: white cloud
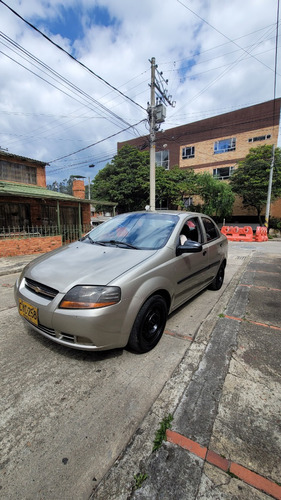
{"points": [[208, 74]]}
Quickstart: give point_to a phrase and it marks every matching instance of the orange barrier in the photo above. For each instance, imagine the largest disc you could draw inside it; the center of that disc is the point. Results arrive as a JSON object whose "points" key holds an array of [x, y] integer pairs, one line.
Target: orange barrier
{"points": [[238, 233], [235, 233], [261, 234]]}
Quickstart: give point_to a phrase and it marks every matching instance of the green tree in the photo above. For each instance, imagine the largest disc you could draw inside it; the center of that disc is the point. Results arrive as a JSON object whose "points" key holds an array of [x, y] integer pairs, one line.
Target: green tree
{"points": [[64, 186], [250, 180], [172, 186], [217, 196], [124, 180]]}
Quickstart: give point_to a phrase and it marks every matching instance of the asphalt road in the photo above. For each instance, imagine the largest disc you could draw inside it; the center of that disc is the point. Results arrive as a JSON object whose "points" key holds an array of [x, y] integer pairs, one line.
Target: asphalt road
{"points": [[67, 415]]}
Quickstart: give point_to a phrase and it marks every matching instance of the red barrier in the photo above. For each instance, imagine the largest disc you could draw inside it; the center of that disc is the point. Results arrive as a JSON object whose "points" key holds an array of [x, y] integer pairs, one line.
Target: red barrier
{"points": [[238, 233], [244, 233], [261, 234]]}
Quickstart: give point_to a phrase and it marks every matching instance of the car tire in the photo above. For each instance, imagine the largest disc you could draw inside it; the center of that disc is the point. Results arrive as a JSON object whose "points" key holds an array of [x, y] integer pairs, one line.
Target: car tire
{"points": [[218, 280], [149, 325]]}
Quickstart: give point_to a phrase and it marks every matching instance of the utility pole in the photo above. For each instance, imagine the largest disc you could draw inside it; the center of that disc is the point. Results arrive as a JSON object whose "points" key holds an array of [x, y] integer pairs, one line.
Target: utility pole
{"points": [[89, 188], [267, 211], [152, 132], [156, 114]]}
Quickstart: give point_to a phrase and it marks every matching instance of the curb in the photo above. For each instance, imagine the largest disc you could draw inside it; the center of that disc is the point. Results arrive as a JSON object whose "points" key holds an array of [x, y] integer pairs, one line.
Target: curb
{"points": [[252, 478]]}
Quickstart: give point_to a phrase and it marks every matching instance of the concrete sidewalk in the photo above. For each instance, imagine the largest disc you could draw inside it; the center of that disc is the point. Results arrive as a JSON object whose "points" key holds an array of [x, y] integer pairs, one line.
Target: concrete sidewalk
{"points": [[225, 436], [11, 265], [224, 397]]}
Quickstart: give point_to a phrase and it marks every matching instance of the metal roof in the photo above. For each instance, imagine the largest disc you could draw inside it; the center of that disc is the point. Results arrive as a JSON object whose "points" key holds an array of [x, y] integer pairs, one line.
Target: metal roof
{"points": [[22, 158], [32, 191]]}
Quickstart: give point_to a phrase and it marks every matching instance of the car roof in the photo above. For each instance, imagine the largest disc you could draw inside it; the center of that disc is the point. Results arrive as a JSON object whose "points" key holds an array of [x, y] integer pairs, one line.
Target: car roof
{"points": [[182, 214]]}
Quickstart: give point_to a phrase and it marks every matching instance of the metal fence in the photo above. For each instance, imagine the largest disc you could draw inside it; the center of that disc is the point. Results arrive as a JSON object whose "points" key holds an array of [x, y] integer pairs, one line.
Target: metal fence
{"points": [[69, 232]]}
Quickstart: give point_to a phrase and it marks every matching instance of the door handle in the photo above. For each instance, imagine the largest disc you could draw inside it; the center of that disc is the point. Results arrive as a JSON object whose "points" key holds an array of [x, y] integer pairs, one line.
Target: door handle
{"points": [[204, 253]]}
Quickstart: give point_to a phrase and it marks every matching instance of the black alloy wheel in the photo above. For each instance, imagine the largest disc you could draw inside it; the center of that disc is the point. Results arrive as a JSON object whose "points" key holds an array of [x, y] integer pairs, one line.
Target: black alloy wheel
{"points": [[149, 325]]}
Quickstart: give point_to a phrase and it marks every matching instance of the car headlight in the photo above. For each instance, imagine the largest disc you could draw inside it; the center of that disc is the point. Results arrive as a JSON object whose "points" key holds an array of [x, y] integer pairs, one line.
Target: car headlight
{"points": [[90, 297]]}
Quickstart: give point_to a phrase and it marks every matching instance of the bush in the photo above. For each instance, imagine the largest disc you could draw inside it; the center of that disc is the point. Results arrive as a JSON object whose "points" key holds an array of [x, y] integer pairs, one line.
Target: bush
{"points": [[275, 223]]}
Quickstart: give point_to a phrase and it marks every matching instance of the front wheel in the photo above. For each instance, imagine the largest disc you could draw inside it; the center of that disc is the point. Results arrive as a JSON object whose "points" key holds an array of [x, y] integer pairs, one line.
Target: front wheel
{"points": [[149, 325], [218, 280]]}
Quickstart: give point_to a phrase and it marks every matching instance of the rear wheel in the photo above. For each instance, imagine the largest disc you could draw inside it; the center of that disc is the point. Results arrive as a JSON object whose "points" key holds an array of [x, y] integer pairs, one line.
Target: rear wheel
{"points": [[149, 325], [218, 280]]}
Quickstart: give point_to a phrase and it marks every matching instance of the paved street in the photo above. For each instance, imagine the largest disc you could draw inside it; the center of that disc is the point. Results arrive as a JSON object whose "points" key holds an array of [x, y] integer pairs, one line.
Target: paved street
{"points": [[68, 415]]}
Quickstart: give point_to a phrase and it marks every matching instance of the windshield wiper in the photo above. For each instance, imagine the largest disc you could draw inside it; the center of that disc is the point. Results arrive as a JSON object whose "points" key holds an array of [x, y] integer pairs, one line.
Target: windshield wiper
{"points": [[97, 242], [93, 241], [120, 243]]}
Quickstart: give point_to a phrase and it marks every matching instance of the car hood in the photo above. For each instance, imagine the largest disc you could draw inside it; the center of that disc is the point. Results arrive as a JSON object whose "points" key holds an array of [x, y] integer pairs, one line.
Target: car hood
{"points": [[84, 263]]}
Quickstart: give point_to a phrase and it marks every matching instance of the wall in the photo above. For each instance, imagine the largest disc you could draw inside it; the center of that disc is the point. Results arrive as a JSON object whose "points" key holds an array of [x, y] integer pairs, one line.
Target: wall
{"points": [[206, 159], [28, 246], [247, 121]]}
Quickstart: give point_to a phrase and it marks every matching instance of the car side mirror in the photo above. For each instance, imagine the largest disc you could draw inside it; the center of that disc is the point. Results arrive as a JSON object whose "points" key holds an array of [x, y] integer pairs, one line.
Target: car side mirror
{"points": [[189, 246]]}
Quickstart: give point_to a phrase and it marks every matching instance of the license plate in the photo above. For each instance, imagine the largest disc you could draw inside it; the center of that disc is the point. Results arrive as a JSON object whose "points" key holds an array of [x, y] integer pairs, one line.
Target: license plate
{"points": [[28, 312]]}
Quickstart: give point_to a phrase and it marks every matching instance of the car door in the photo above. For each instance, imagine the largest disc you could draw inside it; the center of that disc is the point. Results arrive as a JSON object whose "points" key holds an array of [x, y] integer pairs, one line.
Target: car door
{"points": [[191, 269], [212, 246]]}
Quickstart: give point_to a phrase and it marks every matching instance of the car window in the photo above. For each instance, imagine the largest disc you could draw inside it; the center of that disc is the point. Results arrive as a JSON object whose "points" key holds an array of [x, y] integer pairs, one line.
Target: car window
{"points": [[149, 231], [210, 228], [191, 230]]}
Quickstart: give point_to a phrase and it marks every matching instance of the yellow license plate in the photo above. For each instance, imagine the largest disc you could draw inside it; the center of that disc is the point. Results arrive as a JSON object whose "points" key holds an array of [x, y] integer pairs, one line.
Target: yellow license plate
{"points": [[28, 312]]}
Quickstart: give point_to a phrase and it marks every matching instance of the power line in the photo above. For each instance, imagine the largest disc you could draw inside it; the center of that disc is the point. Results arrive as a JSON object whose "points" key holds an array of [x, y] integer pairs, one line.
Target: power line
{"points": [[71, 56], [56, 77], [230, 66], [225, 36], [95, 143], [221, 44]]}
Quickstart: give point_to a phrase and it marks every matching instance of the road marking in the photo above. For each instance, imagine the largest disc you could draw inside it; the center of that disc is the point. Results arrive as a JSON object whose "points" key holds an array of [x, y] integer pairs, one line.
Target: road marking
{"points": [[261, 287], [178, 335], [252, 322]]}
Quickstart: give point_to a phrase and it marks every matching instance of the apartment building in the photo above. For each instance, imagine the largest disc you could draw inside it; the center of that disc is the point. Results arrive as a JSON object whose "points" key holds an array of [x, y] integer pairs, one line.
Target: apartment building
{"points": [[217, 144]]}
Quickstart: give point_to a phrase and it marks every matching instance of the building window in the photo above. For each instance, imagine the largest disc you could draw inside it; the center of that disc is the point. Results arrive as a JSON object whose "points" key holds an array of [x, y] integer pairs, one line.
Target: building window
{"points": [[162, 159], [259, 138], [16, 172], [188, 152], [14, 215], [225, 145], [223, 173]]}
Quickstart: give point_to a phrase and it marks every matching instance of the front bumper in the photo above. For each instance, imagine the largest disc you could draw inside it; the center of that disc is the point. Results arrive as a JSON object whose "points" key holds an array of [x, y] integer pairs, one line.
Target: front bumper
{"points": [[88, 330]]}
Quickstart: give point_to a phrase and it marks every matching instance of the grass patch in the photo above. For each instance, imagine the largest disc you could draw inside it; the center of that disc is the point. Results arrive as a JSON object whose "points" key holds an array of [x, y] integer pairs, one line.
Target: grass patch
{"points": [[139, 478], [160, 435]]}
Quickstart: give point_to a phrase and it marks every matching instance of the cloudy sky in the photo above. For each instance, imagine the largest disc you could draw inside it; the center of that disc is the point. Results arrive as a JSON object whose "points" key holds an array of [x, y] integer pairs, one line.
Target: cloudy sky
{"points": [[69, 102]]}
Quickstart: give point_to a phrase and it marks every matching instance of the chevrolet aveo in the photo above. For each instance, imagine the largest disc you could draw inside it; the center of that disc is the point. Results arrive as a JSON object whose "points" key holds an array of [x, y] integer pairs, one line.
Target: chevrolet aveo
{"points": [[116, 286]]}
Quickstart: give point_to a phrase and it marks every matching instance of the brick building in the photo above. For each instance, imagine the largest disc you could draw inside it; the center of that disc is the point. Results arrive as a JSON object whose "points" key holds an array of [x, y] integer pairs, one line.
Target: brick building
{"points": [[25, 200], [217, 144]]}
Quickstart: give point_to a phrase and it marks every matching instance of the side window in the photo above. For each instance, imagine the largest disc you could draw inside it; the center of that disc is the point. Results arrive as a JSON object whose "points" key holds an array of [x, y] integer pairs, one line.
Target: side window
{"points": [[191, 230], [210, 228]]}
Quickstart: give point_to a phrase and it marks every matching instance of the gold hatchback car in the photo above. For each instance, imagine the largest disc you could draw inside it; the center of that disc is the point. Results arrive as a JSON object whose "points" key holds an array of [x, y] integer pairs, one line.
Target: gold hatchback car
{"points": [[116, 286]]}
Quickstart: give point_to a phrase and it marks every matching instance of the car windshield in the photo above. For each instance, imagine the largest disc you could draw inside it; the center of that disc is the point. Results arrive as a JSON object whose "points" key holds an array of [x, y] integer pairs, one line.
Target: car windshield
{"points": [[142, 231]]}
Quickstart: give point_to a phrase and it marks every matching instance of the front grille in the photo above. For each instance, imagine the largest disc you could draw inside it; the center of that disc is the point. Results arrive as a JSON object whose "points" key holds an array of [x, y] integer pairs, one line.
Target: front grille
{"points": [[60, 335], [64, 337], [48, 331], [39, 289]]}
